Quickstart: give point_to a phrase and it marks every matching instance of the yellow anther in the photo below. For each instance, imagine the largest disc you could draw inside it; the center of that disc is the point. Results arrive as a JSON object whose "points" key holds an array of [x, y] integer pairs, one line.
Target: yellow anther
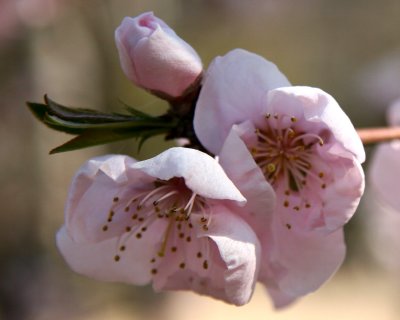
{"points": [[271, 167]]}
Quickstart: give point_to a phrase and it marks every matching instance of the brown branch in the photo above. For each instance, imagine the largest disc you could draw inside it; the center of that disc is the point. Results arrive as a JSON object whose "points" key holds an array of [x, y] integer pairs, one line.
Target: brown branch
{"points": [[374, 135]]}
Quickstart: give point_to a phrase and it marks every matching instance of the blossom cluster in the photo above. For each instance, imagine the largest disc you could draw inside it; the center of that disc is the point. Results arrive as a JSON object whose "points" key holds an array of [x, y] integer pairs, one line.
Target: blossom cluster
{"points": [[264, 199]]}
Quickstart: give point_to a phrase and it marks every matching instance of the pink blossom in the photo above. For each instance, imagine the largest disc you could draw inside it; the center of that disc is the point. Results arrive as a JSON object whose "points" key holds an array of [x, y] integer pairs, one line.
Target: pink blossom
{"points": [[171, 220], [155, 58], [292, 263], [384, 169], [299, 141]]}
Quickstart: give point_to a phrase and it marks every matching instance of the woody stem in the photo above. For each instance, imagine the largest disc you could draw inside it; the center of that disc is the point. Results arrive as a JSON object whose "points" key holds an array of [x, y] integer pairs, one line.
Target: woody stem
{"points": [[374, 135]]}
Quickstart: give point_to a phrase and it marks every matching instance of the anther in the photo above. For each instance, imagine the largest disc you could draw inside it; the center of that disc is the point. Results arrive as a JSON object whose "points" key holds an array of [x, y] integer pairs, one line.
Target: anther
{"points": [[144, 229], [293, 119], [181, 235], [115, 199], [122, 248], [117, 258], [289, 226], [205, 264], [105, 228], [323, 186], [321, 174], [267, 116], [182, 265], [271, 167], [199, 255], [138, 235], [134, 217], [286, 203], [173, 249], [205, 228], [297, 208], [153, 271], [188, 239], [128, 228]]}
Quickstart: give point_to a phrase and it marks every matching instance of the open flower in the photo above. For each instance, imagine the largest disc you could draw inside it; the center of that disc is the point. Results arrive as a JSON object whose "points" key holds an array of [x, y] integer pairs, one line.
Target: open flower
{"points": [[299, 137], [299, 141], [171, 220], [293, 263], [384, 169], [155, 58]]}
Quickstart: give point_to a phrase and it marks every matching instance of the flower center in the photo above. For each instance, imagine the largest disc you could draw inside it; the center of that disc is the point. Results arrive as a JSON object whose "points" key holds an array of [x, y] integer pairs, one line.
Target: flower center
{"points": [[168, 206], [289, 159]]}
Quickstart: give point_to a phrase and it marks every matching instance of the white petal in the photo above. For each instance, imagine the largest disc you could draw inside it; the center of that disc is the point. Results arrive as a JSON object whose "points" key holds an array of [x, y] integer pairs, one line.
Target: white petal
{"points": [[202, 173], [232, 93], [318, 106], [96, 260], [241, 168]]}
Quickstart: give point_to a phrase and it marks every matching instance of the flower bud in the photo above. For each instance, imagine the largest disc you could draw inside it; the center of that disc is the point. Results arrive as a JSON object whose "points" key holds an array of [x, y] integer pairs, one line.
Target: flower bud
{"points": [[155, 58]]}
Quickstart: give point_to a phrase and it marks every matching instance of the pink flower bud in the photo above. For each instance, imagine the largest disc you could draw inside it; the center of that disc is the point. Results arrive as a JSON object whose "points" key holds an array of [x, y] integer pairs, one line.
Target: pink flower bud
{"points": [[154, 57]]}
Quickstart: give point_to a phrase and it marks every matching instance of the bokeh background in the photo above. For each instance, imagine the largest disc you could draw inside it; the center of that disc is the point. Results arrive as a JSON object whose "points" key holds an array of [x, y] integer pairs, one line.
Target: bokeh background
{"points": [[65, 48]]}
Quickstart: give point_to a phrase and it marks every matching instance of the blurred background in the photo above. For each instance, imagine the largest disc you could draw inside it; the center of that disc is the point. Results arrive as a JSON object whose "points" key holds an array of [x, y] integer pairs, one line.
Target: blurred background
{"points": [[65, 48]]}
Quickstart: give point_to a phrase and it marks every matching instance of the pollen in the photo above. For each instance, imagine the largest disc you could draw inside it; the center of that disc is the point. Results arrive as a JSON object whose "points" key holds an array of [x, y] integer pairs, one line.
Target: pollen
{"points": [[271, 167]]}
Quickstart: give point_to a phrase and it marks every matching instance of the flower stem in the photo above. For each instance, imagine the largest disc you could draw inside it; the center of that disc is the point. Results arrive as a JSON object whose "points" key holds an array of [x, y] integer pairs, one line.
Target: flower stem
{"points": [[374, 135]]}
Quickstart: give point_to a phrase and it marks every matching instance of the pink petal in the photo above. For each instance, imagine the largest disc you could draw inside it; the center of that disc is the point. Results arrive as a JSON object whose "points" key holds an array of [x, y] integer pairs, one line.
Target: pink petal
{"points": [[384, 172], [91, 195], [241, 168], [232, 273], [202, 173], [232, 93], [319, 107], [96, 260], [297, 264], [393, 113]]}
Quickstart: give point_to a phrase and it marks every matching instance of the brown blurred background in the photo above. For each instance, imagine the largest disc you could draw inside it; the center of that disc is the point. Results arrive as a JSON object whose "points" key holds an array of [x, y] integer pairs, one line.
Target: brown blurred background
{"points": [[65, 48]]}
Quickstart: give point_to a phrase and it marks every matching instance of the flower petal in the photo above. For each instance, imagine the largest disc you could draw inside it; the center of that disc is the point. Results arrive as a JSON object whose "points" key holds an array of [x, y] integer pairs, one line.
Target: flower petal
{"points": [[298, 263], [384, 172], [96, 260], [91, 195], [232, 92], [232, 273], [248, 177], [319, 107], [202, 173]]}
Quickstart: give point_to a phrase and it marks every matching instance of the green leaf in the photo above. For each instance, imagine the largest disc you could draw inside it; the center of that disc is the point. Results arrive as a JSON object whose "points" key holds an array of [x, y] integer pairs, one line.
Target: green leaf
{"points": [[92, 127], [92, 138]]}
